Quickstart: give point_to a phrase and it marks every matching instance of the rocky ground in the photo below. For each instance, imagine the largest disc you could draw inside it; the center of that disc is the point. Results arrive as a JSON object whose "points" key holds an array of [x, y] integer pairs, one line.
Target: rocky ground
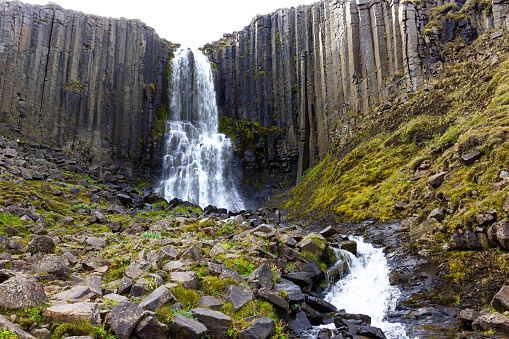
{"points": [[89, 253]]}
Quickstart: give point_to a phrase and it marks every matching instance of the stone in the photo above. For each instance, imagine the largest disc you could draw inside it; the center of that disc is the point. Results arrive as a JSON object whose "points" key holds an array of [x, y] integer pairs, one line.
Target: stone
{"points": [[157, 298], [467, 316], [115, 226], [419, 175], [485, 218], [189, 280], [156, 259], [216, 250], [216, 322], [303, 279], [274, 298], [500, 301], [43, 244], [124, 318], [263, 328], [21, 292], [299, 323], [125, 285], [470, 157], [96, 242], [427, 226], [264, 276], [42, 333], [238, 296], [115, 297], [139, 289], [288, 240], [173, 266], [75, 293], [150, 328], [313, 245], [320, 305], [55, 265], [293, 291], [230, 273], [329, 231], [438, 214], [185, 328], [26, 174], [137, 268], [348, 245], [436, 180], [8, 326], [94, 284], [502, 234], [71, 313], [210, 302], [169, 252], [494, 321], [192, 253]]}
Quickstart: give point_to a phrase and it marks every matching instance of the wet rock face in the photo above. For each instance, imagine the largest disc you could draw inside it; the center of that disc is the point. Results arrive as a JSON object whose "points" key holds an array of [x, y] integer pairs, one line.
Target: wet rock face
{"points": [[81, 81]]}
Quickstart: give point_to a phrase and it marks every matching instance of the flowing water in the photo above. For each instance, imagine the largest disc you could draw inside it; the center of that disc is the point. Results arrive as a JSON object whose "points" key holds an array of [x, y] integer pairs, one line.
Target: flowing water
{"points": [[197, 165], [366, 289]]}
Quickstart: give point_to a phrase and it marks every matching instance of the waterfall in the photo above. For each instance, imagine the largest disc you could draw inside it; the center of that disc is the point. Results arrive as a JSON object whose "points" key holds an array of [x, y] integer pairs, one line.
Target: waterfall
{"points": [[197, 161], [367, 289]]}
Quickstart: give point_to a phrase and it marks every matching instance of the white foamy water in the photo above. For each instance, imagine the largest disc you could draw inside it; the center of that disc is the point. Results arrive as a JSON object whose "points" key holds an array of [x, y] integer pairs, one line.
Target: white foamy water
{"points": [[367, 289], [197, 165]]}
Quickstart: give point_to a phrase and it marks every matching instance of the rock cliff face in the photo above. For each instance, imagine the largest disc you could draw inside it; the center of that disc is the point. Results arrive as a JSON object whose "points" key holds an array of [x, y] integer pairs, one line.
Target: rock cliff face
{"points": [[307, 77], [87, 84]]}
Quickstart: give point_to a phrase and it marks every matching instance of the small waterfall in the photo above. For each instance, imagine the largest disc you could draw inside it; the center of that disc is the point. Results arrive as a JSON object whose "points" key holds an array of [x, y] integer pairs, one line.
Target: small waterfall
{"points": [[197, 165], [367, 289]]}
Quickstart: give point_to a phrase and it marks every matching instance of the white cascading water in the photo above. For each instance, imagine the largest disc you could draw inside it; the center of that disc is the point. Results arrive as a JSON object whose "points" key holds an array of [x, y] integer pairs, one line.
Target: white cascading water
{"points": [[197, 165], [367, 289]]}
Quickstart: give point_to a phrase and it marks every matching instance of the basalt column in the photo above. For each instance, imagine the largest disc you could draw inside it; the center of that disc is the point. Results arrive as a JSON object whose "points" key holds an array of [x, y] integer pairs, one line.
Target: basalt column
{"points": [[87, 84]]}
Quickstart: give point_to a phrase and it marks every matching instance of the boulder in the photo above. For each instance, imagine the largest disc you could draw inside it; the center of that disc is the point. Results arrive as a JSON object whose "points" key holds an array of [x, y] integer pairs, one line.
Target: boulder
{"points": [[348, 245], [94, 283], [263, 274], [216, 322], [55, 265], [500, 301], [137, 268], [303, 279], [125, 285], [494, 321], [239, 296], [156, 299], [193, 253], [70, 313], [185, 328], [124, 318], [436, 180], [313, 243], [43, 244], [422, 229], [216, 250], [299, 323], [293, 291], [288, 240], [320, 305], [263, 328], [329, 231], [502, 234], [210, 302], [115, 297], [21, 292], [150, 328], [189, 280], [471, 157], [274, 298], [75, 293], [97, 243], [8, 326], [437, 213], [139, 289], [230, 273]]}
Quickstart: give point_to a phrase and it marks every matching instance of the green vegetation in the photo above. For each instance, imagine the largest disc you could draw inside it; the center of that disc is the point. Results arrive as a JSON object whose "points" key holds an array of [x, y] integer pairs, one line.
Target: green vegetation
{"points": [[468, 108], [7, 334]]}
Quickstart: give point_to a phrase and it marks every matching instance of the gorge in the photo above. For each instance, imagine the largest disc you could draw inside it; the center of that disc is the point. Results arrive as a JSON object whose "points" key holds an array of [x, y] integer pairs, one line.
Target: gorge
{"points": [[385, 120]]}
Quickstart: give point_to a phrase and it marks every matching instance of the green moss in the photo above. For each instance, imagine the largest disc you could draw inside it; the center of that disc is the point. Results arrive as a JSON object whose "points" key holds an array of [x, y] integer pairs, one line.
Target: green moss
{"points": [[188, 298], [470, 101]]}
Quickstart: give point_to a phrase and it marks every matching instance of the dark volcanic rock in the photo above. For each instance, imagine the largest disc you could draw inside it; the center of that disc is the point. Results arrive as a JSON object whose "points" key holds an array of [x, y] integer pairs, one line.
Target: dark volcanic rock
{"points": [[186, 328], [44, 245], [124, 318], [21, 292], [262, 328], [216, 322]]}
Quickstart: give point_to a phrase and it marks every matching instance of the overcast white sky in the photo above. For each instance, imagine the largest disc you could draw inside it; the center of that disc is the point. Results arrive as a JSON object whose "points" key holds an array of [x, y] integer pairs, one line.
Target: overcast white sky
{"points": [[189, 22]]}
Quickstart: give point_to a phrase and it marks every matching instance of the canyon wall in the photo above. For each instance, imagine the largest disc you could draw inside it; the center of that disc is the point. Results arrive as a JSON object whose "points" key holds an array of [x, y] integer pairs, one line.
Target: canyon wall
{"points": [[304, 79], [92, 86]]}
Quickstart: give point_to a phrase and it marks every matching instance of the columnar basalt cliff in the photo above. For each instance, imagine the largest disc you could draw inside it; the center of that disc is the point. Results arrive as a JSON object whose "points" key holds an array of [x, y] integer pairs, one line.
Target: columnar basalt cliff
{"points": [[87, 84], [313, 74]]}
